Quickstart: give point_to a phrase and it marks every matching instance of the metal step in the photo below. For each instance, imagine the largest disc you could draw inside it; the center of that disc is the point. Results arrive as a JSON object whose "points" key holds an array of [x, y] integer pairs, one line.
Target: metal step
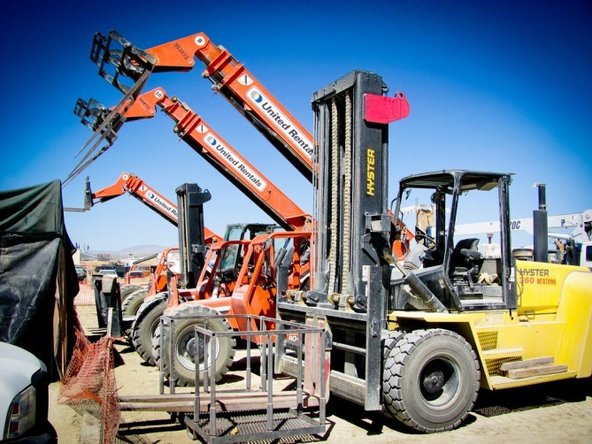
{"points": [[233, 427], [500, 353], [185, 402], [497, 357]]}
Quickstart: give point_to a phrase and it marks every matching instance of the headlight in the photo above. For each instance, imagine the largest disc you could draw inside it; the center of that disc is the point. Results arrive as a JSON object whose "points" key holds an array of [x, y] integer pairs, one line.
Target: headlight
{"points": [[21, 414]]}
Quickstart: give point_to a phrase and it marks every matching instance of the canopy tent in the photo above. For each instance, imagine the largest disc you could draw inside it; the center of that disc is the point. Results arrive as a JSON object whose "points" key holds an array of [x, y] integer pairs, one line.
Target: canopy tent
{"points": [[37, 277]]}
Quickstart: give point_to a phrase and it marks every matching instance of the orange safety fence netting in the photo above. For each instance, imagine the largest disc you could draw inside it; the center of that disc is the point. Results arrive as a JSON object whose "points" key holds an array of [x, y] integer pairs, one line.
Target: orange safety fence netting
{"points": [[89, 384]]}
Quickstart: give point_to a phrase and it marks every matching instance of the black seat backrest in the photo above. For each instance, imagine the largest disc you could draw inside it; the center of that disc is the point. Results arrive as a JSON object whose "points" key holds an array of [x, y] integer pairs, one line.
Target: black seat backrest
{"points": [[465, 253]]}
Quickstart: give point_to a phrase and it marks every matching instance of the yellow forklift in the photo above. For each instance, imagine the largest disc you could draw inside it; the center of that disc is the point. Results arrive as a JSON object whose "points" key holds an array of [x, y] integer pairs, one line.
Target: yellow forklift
{"points": [[418, 338]]}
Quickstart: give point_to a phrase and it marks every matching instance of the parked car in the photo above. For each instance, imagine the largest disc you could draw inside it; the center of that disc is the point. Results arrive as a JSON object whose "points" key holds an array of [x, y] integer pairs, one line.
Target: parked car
{"points": [[136, 274], [80, 272], [108, 272], [24, 397]]}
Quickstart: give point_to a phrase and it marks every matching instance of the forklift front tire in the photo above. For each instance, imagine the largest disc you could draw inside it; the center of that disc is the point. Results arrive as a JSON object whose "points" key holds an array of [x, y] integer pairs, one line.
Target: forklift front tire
{"points": [[431, 380]]}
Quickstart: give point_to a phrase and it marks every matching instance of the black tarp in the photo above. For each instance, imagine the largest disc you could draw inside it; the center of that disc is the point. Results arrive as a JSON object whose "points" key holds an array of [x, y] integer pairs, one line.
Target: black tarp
{"points": [[37, 277]]}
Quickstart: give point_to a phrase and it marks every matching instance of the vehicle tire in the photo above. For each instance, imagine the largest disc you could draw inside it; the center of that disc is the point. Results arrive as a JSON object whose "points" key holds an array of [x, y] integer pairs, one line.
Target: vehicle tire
{"points": [[133, 302], [184, 344], [389, 343], [431, 380], [127, 290], [147, 319]]}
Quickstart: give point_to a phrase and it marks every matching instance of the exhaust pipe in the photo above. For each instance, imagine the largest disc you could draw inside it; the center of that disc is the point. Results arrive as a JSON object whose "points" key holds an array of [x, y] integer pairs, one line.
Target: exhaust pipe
{"points": [[540, 227]]}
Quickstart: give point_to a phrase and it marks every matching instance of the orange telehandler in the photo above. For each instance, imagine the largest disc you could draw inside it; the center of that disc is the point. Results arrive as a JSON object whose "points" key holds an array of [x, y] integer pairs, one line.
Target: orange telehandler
{"points": [[199, 135], [270, 262], [133, 295]]}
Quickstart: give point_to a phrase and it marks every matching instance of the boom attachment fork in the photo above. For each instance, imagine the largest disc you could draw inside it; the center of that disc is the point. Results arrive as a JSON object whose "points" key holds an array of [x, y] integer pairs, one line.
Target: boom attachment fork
{"points": [[105, 124], [124, 60]]}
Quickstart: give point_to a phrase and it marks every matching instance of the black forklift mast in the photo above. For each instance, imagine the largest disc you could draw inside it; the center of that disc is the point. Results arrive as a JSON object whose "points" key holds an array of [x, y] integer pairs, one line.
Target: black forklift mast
{"points": [[350, 248], [351, 209], [192, 250], [351, 212]]}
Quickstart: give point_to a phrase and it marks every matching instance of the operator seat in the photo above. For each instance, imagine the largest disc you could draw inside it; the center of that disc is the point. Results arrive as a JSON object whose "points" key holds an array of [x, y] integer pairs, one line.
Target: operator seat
{"points": [[465, 260]]}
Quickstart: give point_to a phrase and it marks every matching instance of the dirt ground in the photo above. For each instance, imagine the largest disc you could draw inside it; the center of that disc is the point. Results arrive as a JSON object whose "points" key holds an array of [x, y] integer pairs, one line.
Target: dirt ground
{"points": [[556, 412]]}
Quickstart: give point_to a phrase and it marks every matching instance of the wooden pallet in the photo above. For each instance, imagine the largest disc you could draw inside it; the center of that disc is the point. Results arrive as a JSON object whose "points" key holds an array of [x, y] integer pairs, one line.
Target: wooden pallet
{"points": [[532, 367]]}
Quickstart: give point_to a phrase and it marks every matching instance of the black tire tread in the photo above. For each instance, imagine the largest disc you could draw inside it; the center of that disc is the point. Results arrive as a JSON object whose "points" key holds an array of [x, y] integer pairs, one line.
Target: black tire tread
{"points": [[126, 290], [139, 336], [131, 305], [396, 359], [190, 309]]}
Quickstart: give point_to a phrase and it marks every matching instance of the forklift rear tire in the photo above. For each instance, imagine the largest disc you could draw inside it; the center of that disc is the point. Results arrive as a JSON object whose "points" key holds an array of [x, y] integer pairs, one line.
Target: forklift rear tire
{"points": [[133, 302], [145, 324], [184, 346], [431, 380]]}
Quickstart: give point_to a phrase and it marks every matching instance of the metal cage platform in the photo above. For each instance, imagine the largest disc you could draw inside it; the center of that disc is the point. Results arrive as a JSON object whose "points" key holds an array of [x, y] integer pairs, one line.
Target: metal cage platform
{"points": [[258, 408]]}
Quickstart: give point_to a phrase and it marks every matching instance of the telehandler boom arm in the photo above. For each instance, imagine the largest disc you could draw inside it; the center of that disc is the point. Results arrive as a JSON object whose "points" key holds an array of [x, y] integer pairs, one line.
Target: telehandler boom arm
{"points": [[229, 77]]}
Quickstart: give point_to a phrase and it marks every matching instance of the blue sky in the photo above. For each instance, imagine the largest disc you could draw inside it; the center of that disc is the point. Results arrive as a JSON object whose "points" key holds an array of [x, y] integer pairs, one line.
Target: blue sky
{"points": [[493, 85]]}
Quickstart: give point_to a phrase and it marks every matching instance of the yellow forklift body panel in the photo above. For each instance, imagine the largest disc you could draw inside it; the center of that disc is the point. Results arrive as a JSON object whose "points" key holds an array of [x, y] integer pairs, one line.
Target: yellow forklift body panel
{"points": [[575, 311], [538, 286], [555, 325]]}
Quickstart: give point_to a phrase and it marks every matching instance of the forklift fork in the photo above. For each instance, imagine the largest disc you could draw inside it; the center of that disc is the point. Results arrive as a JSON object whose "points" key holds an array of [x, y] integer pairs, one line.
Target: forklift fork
{"points": [[117, 58], [128, 61], [125, 60], [93, 114], [104, 123]]}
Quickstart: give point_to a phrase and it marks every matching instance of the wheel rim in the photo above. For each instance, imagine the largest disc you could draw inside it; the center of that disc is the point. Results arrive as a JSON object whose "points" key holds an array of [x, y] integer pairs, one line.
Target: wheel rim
{"points": [[186, 346], [439, 382]]}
